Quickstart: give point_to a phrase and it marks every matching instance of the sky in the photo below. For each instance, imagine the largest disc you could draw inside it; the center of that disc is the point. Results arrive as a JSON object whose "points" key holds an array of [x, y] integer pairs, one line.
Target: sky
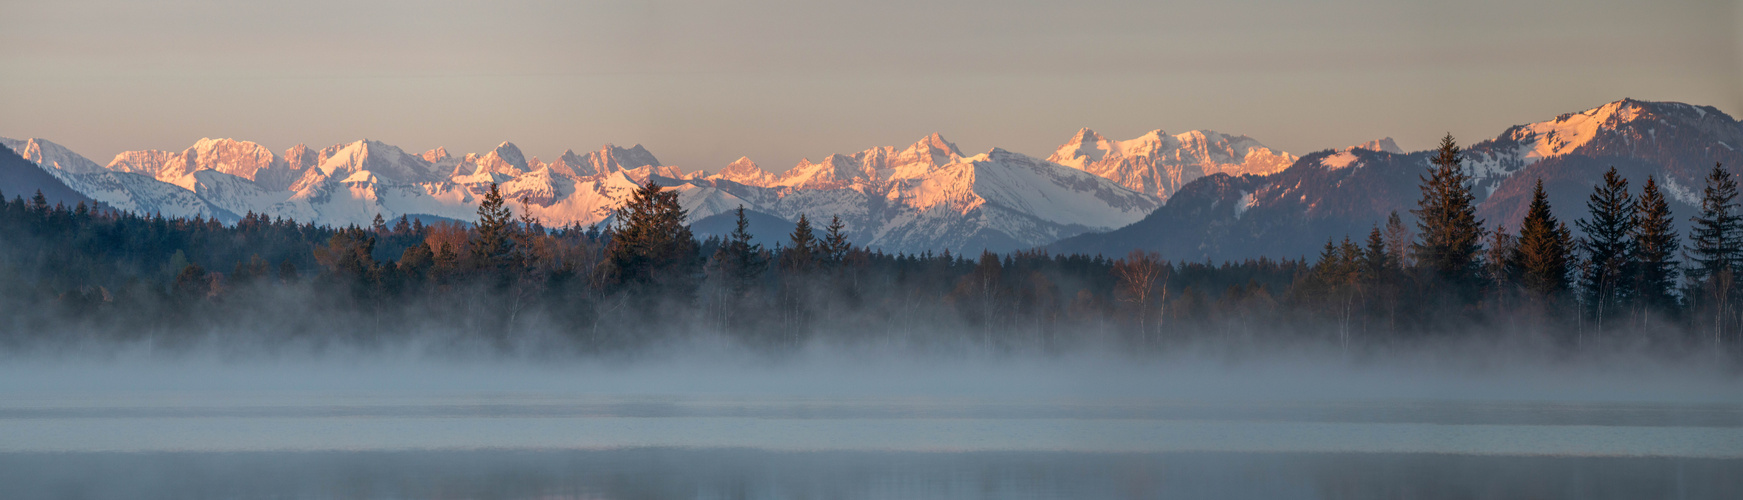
{"points": [[701, 83]]}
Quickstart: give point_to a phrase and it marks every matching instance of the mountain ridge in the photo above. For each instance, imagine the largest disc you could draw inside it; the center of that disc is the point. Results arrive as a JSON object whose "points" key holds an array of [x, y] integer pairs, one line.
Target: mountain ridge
{"points": [[1332, 194]]}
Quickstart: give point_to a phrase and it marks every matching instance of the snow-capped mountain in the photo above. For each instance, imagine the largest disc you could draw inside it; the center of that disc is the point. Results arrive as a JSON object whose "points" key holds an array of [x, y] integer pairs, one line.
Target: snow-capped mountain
{"points": [[51, 156], [21, 178], [1348, 156], [1332, 194], [744, 171], [1158, 164], [121, 190], [1227, 195], [239, 158], [928, 196]]}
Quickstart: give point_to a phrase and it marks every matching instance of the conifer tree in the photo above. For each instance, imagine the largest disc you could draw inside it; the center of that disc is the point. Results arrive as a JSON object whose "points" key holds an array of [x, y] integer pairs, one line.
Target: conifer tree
{"points": [[739, 259], [1655, 248], [1376, 259], [1381, 276], [736, 265], [1608, 243], [651, 248], [1717, 236], [835, 244], [493, 242], [1447, 220], [1541, 258], [1716, 241], [801, 252]]}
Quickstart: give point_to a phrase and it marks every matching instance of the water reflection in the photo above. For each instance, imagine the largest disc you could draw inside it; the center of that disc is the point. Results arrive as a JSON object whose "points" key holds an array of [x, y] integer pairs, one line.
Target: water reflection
{"points": [[659, 473]]}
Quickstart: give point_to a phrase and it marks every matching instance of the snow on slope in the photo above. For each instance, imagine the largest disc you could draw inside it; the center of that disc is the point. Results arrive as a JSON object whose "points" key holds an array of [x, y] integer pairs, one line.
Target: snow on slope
{"points": [[1347, 157], [926, 196], [51, 156], [1029, 185], [243, 159], [233, 193], [1158, 164], [744, 171], [122, 190]]}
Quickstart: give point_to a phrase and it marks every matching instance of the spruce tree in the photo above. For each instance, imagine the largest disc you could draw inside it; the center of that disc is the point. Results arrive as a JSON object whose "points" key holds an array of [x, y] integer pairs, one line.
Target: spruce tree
{"points": [[652, 251], [801, 252], [1447, 220], [835, 244], [1541, 258], [741, 258], [492, 242], [1716, 239], [1608, 244], [1717, 236], [1655, 247], [1376, 260]]}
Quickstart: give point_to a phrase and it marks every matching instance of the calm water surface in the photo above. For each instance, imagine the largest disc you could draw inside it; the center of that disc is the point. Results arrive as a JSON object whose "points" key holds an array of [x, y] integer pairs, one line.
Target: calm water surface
{"points": [[205, 435]]}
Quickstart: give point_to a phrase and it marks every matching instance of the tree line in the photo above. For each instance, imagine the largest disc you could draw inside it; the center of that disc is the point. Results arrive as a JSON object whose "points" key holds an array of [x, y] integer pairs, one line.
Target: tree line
{"points": [[76, 273]]}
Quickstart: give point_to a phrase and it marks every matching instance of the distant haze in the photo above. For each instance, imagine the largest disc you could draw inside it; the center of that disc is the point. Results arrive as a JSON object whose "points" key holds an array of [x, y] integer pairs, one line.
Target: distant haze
{"points": [[702, 83]]}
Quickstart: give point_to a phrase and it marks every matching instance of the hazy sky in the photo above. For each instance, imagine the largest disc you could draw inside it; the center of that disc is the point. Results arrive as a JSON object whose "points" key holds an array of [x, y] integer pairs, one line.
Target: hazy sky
{"points": [[701, 83]]}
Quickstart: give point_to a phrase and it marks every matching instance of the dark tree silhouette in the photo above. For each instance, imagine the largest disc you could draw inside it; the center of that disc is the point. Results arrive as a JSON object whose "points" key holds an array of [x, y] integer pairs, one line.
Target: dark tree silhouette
{"points": [[1541, 257], [1606, 284], [1447, 220], [1655, 251], [652, 251]]}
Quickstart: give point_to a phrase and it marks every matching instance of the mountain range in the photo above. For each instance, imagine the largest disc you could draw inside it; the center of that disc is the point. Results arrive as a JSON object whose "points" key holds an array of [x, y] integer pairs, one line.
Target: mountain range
{"points": [[1336, 193], [1198, 195], [928, 196]]}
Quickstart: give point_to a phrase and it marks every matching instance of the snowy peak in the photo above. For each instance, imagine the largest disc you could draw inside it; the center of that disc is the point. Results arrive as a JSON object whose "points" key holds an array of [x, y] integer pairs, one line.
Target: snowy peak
{"points": [[932, 149], [571, 165], [610, 158], [384, 160], [301, 158], [243, 159], [1571, 132], [1006, 181], [1351, 156], [835, 171], [50, 155], [504, 162], [1385, 145], [506, 158], [744, 171], [434, 156], [1083, 148], [147, 162], [1158, 164]]}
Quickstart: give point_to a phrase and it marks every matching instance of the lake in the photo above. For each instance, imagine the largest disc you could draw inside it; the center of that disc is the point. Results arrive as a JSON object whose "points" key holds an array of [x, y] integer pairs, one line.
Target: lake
{"points": [[416, 430]]}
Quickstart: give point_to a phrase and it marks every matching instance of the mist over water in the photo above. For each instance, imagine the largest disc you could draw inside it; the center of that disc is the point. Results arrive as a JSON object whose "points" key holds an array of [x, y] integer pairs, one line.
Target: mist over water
{"points": [[713, 419]]}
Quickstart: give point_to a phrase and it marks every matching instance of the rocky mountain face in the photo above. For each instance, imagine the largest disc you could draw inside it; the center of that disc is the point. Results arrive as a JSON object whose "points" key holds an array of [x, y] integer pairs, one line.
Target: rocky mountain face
{"points": [[121, 190], [1332, 193], [1159, 164], [925, 197], [1226, 196], [21, 178]]}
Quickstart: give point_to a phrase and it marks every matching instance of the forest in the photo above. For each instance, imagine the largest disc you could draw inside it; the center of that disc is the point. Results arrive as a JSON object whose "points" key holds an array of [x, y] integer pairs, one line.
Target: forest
{"points": [[74, 276]]}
